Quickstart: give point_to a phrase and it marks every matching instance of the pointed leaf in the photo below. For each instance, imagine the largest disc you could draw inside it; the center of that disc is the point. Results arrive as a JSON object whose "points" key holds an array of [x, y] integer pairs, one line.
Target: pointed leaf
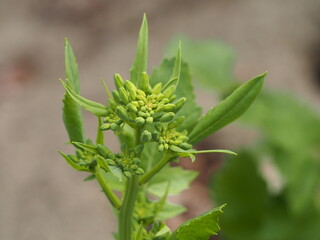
{"points": [[90, 178], [228, 110], [72, 114], [87, 147], [91, 106], [140, 62], [199, 228], [72, 163], [100, 136], [174, 79]]}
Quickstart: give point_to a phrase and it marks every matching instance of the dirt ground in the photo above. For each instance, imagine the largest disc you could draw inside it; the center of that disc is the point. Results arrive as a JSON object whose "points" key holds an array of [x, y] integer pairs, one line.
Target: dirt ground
{"points": [[41, 197]]}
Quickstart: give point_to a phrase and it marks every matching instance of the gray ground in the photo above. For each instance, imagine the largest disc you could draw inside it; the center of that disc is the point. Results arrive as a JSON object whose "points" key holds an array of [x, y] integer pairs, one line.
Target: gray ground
{"points": [[41, 198]]}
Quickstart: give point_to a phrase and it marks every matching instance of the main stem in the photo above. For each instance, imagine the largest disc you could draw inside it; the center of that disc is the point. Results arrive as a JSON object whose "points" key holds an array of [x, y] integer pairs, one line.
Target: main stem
{"points": [[126, 211]]}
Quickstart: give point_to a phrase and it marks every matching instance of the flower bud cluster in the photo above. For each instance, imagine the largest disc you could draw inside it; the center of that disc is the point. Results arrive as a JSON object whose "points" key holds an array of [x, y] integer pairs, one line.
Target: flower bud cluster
{"points": [[129, 164], [142, 106]]}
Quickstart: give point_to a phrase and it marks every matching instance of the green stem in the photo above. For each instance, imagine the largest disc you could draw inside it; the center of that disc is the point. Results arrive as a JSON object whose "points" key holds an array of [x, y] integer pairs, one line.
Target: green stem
{"points": [[155, 169], [109, 193], [126, 211]]}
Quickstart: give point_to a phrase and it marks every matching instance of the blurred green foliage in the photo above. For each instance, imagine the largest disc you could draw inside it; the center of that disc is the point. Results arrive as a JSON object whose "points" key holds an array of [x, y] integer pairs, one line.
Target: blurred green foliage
{"points": [[273, 187]]}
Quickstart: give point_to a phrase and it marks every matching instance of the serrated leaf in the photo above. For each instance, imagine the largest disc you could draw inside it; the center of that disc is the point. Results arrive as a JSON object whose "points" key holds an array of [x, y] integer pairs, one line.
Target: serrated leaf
{"points": [[190, 109], [177, 176], [170, 210], [72, 163], [140, 62], [97, 109], [199, 228], [228, 110], [72, 114]]}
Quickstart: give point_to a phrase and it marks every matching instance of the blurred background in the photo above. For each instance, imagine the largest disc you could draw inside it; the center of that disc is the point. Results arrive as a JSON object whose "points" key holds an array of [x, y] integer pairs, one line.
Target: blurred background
{"points": [[225, 42]]}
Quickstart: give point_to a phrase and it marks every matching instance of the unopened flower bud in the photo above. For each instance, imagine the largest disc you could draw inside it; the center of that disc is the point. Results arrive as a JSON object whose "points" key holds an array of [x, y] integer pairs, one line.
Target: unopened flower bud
{"points": [[179, 103], [124, 96], [122, 113], [144, 83], [158, 126], [73, 158], [160, 147], [116, 96], [136, 161], [146, 136], [139, 171], [118, 81], [157, 88], [132, 108], [169, 107], [140, 121], [141, 93], [115, 127], [169, 91], [185, 145], [112, 103], [127, 174], [103, 151], [167, 117], [105, 126], [134, 166], [155, 136], [149, 120], [111, 162]]}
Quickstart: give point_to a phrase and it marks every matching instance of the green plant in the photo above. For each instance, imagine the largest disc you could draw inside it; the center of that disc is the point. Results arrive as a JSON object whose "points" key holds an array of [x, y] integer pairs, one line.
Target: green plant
{"points": [[272, 187], [156, 120]]}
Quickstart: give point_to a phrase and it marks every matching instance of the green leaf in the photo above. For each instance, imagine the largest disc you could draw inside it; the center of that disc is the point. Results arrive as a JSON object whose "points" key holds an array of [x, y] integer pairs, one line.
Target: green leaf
{"points": [[97, 109], [170, 210], [117, 172], [190, 109], [72, 115], [228, 110], [174, 79], [90, 178], [140, 62], [87, 147], [211, 62], [190, 153], [199, 228], [178, 177], [72, 163]]}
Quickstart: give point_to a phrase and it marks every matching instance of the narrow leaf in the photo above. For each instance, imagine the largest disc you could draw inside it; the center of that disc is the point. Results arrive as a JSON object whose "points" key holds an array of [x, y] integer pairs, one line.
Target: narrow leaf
{"points": [[90, 178], [228, 110], [199, 228], [97, 109], [72, 163], [174, 79], [140, 62], [87, 147], [72, 115]]}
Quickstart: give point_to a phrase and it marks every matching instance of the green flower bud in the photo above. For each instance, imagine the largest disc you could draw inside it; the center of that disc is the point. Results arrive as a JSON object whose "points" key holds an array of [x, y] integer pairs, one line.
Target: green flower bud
{"points": [[141, 103], [115, 127], [169, 107], [118, 81], [139, 171], [155, 136], [122, 113], [166, 146], [111, 162], [160, 97], [130, 85], [183, 138], [143, 114], [180, 103], [116, 96], [157, 88], [141, 93], [185, 145], [169, 91], [105, 126], [149, 120], [103, 151], [73, 158], [158, 126], [134, 166], [127, 174], [167, 117], [136, 161], [146, 136], [124, 96], [132, 108], [140, 121], [144, 83], [112, 104], [160, 147]]}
